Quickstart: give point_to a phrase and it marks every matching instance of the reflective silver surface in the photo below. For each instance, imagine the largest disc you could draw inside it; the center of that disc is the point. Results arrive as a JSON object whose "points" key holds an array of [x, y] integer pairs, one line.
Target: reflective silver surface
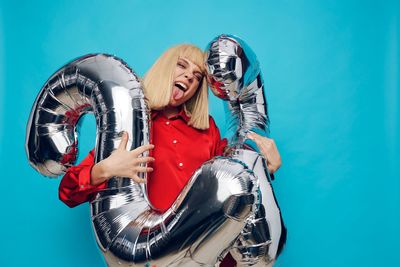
{"points": [[206, 218], [203, 222], [99, 84], [234, 76]]}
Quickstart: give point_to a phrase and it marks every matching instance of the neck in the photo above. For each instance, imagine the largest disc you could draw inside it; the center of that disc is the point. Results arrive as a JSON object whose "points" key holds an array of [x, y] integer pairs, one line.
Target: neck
{"points": [[170, 111]]}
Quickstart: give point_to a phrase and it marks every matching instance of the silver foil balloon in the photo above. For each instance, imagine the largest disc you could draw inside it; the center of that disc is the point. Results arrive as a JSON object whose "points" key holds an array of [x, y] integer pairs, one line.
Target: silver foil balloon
{"points": [[99, 84], [207, 216], [234, 76]]}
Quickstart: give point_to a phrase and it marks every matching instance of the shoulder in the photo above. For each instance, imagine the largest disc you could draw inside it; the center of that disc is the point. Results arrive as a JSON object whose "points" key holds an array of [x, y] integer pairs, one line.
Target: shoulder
{"points": [[212, 123], [213, 129]]}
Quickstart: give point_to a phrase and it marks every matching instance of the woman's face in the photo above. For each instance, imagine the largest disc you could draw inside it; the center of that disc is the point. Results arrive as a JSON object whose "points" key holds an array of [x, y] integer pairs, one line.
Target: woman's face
{"points": [[187, 78]]}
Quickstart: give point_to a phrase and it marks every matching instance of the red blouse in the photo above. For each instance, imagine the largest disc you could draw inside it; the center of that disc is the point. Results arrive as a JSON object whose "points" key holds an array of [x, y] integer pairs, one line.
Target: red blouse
{"points": [[179, 150]]}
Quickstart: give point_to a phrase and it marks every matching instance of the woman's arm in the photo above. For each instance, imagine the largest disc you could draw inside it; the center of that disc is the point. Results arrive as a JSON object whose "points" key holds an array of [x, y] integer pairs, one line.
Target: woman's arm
{"points": [[81, 181], [75, 187]]}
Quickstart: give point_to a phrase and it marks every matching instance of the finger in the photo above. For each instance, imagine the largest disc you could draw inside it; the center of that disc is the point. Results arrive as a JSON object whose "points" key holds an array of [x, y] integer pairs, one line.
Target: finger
{"points": [[271, 141], [256, 138], [273, 167], [124, 141], [265, 142], [142, 149], [270, 168], [137, 179], [253, 136], [145, 159], [143, 169], [250, 136]]}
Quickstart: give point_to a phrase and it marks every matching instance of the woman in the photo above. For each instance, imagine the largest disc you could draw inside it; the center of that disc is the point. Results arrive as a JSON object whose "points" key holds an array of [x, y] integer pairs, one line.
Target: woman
{"points": [[183, 136]]}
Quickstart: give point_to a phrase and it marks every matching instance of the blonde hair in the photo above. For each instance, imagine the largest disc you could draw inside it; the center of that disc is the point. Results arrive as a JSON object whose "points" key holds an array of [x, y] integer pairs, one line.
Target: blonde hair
{"points": [[158, 84]]}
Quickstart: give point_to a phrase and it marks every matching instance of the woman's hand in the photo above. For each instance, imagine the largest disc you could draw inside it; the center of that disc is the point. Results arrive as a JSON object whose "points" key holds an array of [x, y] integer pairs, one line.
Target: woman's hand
{"points": [[268, 149], [122, 163]]}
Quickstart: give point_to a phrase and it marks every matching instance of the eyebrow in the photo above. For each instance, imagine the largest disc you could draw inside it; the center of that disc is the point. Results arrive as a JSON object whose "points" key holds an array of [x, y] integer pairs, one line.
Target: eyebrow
{"points": [[187, 62]]}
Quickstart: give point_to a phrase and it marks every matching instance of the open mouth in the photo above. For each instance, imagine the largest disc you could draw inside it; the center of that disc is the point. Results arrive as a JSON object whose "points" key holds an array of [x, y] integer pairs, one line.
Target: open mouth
{"points": [[181, 86], [179, 90]]}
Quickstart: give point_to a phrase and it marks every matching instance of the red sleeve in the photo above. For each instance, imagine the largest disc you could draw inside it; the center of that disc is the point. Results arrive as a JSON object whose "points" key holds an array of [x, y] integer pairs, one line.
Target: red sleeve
{"points": [[75, 187], [218, 144]]}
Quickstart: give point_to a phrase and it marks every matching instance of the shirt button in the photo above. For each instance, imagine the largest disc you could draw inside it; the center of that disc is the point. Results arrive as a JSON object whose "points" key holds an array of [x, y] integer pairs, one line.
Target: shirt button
{"points": [[180, 164], [174, 141], [167, 122]]}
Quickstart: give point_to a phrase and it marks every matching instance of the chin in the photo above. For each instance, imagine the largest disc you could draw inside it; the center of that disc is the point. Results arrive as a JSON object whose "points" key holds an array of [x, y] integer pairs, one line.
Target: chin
{"points": [[175, 104]]}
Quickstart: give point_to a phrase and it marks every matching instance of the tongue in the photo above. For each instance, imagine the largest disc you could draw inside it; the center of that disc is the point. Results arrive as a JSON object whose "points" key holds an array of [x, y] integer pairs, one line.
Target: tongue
{"points": [[177, 93]]}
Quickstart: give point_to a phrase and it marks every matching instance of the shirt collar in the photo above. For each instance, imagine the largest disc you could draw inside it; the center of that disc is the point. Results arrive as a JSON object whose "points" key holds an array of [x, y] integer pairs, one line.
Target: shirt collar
{"points": [[182, 114]]}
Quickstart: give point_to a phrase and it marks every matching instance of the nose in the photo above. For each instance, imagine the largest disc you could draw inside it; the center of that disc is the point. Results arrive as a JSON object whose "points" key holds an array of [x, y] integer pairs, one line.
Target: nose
{"points": [[189, 76]]}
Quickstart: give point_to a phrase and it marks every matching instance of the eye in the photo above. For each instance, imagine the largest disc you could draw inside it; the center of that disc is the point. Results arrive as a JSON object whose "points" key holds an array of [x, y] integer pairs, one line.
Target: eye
{"points": [[181, 65], [199, 77]]}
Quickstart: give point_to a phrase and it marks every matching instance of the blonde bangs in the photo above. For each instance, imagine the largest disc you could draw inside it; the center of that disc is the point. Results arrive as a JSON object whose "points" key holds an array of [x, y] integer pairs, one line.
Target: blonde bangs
{"points": [[158, 83], [194, 54]]}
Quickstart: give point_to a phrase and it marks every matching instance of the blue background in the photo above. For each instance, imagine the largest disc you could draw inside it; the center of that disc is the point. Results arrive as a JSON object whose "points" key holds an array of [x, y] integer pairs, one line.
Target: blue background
{"points": [[332, 81]]}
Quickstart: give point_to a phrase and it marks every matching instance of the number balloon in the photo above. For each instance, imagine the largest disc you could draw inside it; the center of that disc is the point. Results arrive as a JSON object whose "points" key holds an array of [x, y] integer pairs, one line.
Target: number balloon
{"points": [[234, 75], [204, 221]]}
